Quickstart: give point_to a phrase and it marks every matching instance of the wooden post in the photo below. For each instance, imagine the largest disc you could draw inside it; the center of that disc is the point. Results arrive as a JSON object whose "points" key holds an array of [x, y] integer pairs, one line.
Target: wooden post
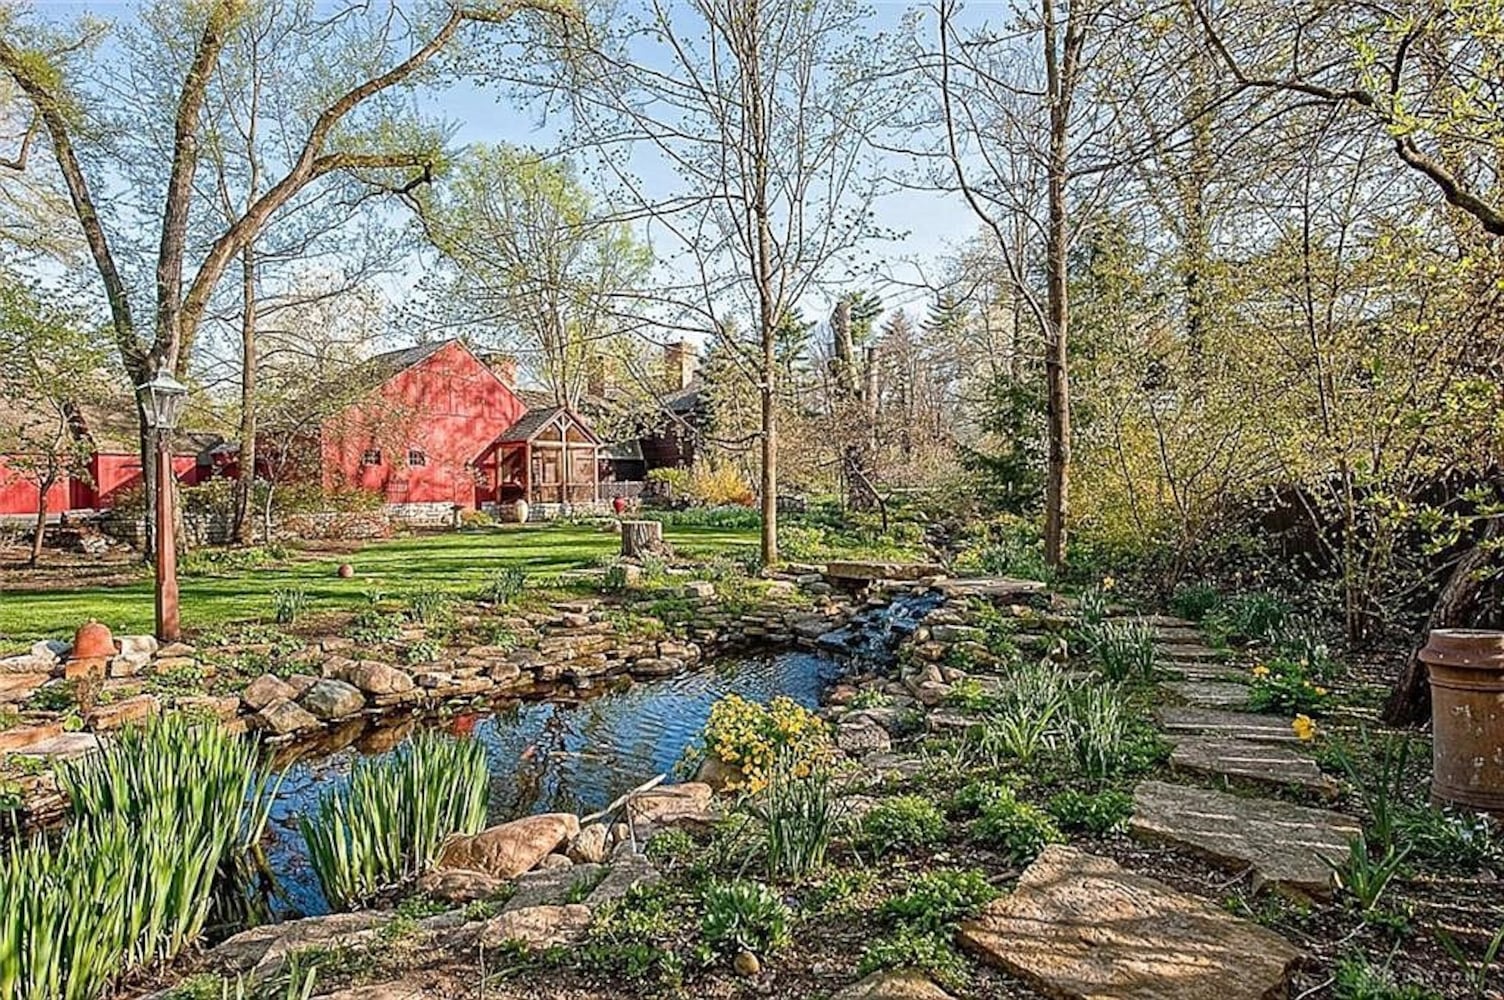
{"points": [[642, 538]]}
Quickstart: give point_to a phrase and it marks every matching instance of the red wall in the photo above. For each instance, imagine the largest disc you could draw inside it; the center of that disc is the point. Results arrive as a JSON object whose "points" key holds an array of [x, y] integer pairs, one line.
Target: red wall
{"points": [[450, 406], [109, 474]]}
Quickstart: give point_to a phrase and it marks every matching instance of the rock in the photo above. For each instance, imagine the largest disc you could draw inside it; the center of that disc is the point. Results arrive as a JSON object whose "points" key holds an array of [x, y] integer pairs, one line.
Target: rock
{"points": [[261, 951], [128, 664], [1079, 927], [865, 572], [510, 849], [24, 736], [860, 734], [1266, 763], [556, 862], [27, 664], [64, 745], [173, 649], [895, 984], [456, 885], [1286, 847], [284, 718], [138, 645], [376, 678], [264, 690], [52, 650], [589, 845], [116, 714], [718, 774], [746, 964], [626, 873], [16, 688], [554, 886], [221, 708], [401, 989], [535, 927], [700, 589], [688, 804], [327, 699], [1232, 725]]}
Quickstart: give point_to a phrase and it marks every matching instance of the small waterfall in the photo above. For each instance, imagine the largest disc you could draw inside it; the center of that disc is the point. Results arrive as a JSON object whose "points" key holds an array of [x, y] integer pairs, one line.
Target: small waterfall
{"points": [[873, 636]]}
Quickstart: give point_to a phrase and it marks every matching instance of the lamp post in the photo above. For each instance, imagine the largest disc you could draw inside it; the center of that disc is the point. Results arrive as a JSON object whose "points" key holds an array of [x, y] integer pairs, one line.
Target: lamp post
{"points": [[162, 404]]}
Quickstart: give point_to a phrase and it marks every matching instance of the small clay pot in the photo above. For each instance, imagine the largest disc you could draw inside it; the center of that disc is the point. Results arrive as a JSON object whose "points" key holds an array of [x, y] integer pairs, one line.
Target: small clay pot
{"points": [[346, 571], [93, 641]]}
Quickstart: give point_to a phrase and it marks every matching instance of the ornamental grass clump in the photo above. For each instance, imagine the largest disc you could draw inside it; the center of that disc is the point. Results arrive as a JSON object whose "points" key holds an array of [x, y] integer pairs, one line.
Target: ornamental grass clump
{"points": [[160, 816], [752, 738], [392, 815], [798, 812]]}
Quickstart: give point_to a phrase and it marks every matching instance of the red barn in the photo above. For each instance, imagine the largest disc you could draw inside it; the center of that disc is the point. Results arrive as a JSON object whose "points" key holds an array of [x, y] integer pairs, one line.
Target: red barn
{"points": [[439, 431], [108, 429]]}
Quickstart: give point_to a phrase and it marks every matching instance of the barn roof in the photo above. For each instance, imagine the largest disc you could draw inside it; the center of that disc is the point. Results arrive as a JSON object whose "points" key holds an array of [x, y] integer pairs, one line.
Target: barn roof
{"points": [[533, 421], [392, 362]]}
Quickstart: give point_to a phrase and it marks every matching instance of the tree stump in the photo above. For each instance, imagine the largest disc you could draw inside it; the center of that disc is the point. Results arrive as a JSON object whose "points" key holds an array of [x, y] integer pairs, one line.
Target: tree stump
{"points": [[642, 538]]}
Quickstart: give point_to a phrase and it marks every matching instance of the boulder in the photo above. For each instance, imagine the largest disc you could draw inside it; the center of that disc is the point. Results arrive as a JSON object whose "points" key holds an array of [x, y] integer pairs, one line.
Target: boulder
{"points": [[119, 713], [138, 645], [456, 885], [535, 927], [16, 688], [284, 718], [589, 845], [510, 849], [264, 690], [51, 650], [221, 708], [376, 678], [328, 698], [895, 984], [689, 804], [860, 734], [27, 664], [261, 951]]}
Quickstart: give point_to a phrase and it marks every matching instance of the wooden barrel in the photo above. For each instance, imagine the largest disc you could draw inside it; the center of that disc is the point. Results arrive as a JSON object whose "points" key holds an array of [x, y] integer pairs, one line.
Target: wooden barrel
{"points": [[1467, 717]]}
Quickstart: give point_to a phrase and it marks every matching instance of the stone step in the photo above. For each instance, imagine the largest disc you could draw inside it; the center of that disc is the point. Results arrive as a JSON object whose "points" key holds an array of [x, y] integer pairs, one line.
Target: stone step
{"points": [[1197, 671], [1232, 725], [1192, 653], [1080, 927], [1271, 764], [1212, 694], [1286, 847], [1176, 637]]}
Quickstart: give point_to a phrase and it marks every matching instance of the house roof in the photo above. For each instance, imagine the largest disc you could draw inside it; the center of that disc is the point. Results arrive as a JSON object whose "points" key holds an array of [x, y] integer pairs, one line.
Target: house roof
{"points": [[533, 421], [392, 362]]}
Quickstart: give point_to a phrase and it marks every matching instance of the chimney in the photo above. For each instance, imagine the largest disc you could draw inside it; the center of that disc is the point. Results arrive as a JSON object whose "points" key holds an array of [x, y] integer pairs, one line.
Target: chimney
{"points": [[595, 376], [504, 366], [679, 363]]}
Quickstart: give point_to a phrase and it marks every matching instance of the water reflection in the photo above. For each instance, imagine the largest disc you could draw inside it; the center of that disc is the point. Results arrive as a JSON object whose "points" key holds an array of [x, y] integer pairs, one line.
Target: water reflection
{"points": [[567, 755]]}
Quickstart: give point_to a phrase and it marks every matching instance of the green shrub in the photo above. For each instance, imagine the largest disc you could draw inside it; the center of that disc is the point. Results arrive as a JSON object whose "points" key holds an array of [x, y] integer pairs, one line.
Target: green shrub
{"points": [[1019, 830], [54, 696], [160, 816], [289, 604], [743, 916], [423, 651], [1358, 979], [937, 900], [1286, 686], [504, 586], [1099, 814], [390, 817], [910, 947], [430, 607], [798, 811], [1194, 601], [615, 577], [372, 627], [902, 823]]}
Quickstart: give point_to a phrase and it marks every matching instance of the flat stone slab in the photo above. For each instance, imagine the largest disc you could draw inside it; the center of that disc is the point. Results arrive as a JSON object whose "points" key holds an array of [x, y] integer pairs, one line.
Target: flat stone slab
{"points": [[1193, 652], [863, 570], [1265, 763], [1233, 725], [995, 587], [66, 745], [1178, 635], [1079, 927], [896, 984], [1196, 670], [1212, 694], [1285, 846]]}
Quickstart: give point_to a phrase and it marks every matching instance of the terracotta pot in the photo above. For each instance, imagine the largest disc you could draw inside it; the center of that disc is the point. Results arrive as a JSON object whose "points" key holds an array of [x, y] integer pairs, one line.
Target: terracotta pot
{"points": [[1467, 717], [93, 641]]}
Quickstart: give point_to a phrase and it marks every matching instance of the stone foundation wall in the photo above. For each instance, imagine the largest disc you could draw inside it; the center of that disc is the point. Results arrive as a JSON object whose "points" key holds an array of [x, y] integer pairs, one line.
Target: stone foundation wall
{"points": [[423, 515]]}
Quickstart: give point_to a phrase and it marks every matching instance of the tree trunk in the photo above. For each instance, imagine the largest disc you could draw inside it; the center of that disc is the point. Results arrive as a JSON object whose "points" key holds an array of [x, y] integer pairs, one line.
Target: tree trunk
{"points": [[1410, 701], [36, 541], [1057, 377], [244, 530], [642, 538]]}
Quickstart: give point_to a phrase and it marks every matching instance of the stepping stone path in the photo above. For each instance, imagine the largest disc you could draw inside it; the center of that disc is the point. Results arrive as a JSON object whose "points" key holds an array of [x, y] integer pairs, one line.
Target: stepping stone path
{"points": [[1264, 763], [1232, 725], [1285, 846], [1079, 927], [1196, 670], [1212, 694]]}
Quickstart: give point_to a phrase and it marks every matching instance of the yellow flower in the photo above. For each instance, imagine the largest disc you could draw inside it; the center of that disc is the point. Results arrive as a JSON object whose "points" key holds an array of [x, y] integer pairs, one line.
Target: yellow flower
{"points": [[1305, 729], [1260, 671], [1321, 691], [1108, 583]]}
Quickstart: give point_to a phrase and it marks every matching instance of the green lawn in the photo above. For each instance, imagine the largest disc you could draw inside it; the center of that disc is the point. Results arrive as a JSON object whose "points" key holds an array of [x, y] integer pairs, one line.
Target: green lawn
{"points": [[455, 562]]}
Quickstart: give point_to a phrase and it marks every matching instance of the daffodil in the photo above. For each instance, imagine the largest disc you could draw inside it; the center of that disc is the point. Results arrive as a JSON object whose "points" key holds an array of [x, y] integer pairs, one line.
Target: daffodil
{"points": [[1260, 671], [1108, 583], [1305, 729], [1321, 691]]}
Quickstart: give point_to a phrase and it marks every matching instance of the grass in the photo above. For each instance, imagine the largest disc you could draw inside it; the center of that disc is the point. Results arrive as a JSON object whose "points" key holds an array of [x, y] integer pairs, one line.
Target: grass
{"points": [[457, 562]]}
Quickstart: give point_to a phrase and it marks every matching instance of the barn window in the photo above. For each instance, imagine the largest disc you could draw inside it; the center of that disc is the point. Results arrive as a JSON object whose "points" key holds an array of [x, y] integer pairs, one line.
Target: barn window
{"points": [[417, 456], [371, 456]]}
